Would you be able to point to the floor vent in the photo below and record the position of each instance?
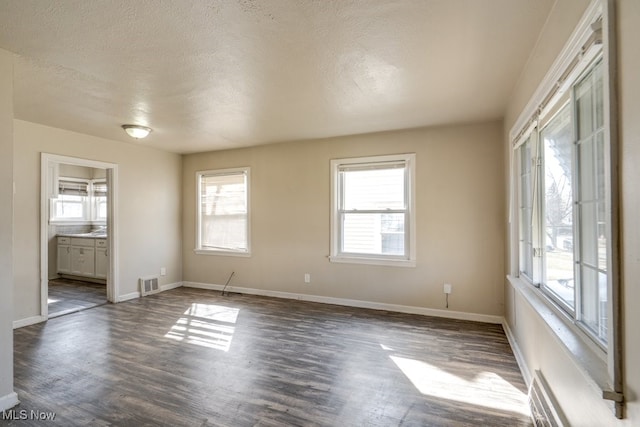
(149, 285)
(544, 409)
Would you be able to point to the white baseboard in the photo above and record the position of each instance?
(8, 401)
(354, 303)
(522, 364)
(134, 295)
(21, 323)
(169, 286)
(127, 297)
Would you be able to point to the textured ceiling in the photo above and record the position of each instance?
(208, 75)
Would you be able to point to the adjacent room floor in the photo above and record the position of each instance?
(190, 357)
(68, 296)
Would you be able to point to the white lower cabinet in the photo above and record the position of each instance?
(83, 256)
(83, 261)
(102, 261)
(64, 255)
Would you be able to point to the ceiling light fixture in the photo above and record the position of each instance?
(136, 131)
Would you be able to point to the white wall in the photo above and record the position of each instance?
(581, 402)
(7, 396)
(149, 207)
(460, 237)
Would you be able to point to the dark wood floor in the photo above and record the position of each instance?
(68, 296)
(189, 357)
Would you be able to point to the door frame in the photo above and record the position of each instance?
(47, 163)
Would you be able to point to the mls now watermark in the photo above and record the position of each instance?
(24, 414)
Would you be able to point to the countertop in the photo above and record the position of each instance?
(91, 235)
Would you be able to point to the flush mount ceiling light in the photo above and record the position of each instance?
(136, 131)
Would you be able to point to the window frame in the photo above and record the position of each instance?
(534, 134)
(336, 254)
(199, 249)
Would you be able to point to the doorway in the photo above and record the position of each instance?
(78, 234)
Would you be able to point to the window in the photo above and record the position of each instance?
(99, 206)
(373, 210)
(80, 200)
(72, 203)
(223, 212)
(562, 205)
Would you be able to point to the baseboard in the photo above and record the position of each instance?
(8, 401)
(522, 364)
(21, 323)
(127, 297)
(134, 295)
(169, 286)
(459, 315)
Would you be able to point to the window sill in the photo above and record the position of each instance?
(373, 261)
(590, 360)
(221, 253)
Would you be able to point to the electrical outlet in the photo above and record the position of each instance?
(307, 278)
(163, 271)
(447, 288)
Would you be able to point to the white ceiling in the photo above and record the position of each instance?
(209, 75)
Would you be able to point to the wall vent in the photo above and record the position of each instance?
(544, 408)
(149, 285)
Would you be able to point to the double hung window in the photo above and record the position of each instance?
(373, 210)
(223, 212)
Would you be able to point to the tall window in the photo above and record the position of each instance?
(372, 210)
(563, 226)
(223, 211)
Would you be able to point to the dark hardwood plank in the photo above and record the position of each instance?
(191, 357)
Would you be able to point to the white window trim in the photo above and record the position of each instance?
(223, 252)
(603, 369)
(335, 254)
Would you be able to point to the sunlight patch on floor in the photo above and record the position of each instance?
(485, 389)
(206, 325)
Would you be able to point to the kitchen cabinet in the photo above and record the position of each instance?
(102, 259)
(83, 256)
(83, 261)
(64, 255)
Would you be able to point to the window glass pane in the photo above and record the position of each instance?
(374, 233)
(599, 107)
(69, 207)
(600, 165)
(373, 189)
(594, 301)
(223, 207)
(592, 205)
(587, 176)
(558, 207)
(584, 107)
(589, 234)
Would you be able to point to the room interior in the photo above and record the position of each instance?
(284, 90)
